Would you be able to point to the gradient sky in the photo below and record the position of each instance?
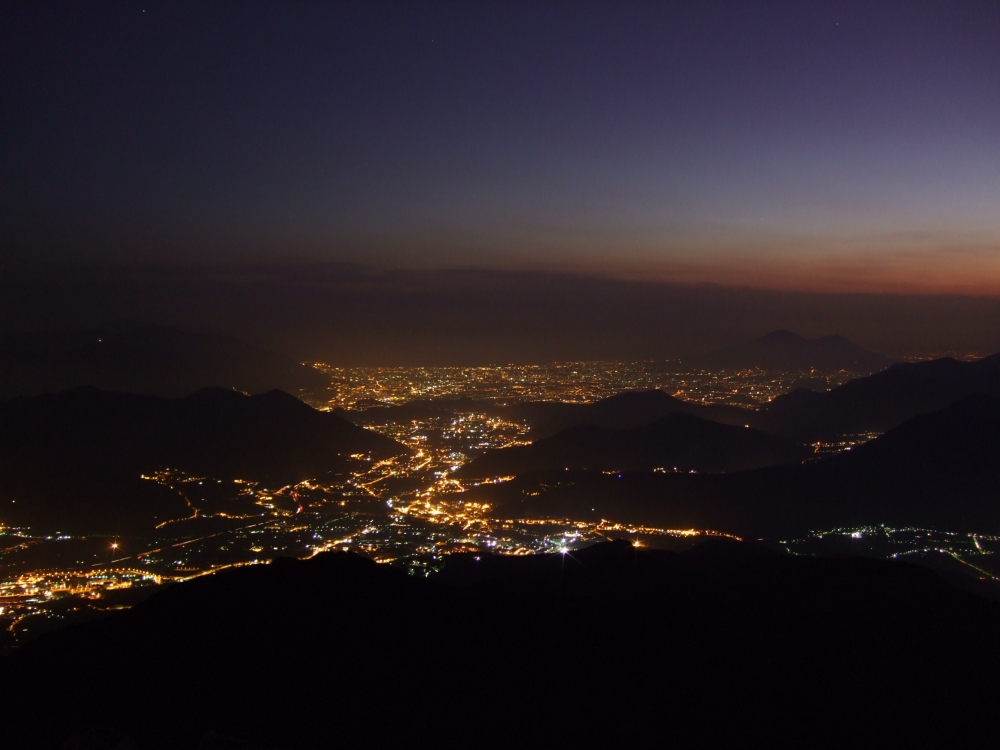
(834, 146)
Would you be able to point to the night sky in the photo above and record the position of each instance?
(808, 146)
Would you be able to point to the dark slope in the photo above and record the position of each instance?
(607, 646)
(940, 470)
(676, 442)
(881, 401)
(624, 410)
(788, 352)
(871, 404)
(72, 460)
(157, 360)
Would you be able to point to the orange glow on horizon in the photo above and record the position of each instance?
(829, 275)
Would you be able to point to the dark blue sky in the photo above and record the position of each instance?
(819, 145)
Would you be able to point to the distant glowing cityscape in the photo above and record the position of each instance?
(572, 382)
(411, 510)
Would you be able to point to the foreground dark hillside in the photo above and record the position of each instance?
(73, 460)
(677, 441)
(609, 645)
(939, 470)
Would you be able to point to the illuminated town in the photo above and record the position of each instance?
(410, 510)
(946, 551)
(572, 382)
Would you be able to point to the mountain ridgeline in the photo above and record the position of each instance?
(621, 411)
(150, 359)
(723, 645)
(881, 401)
(727, 643)
(789, 352)
(72, 460)
(870, 404)
(545, 418)
(939, 470)
(676, 442)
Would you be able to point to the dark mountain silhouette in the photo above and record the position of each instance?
(606, 646)
(791, 402)
(939, 470)
(676, 442)
(623, 410)
(875, 403)
(789, 352)
(149, 359)
(73, 460)
(881, 401)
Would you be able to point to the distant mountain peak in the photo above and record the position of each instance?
(881, 401)
(674, 440)
(785, 350)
